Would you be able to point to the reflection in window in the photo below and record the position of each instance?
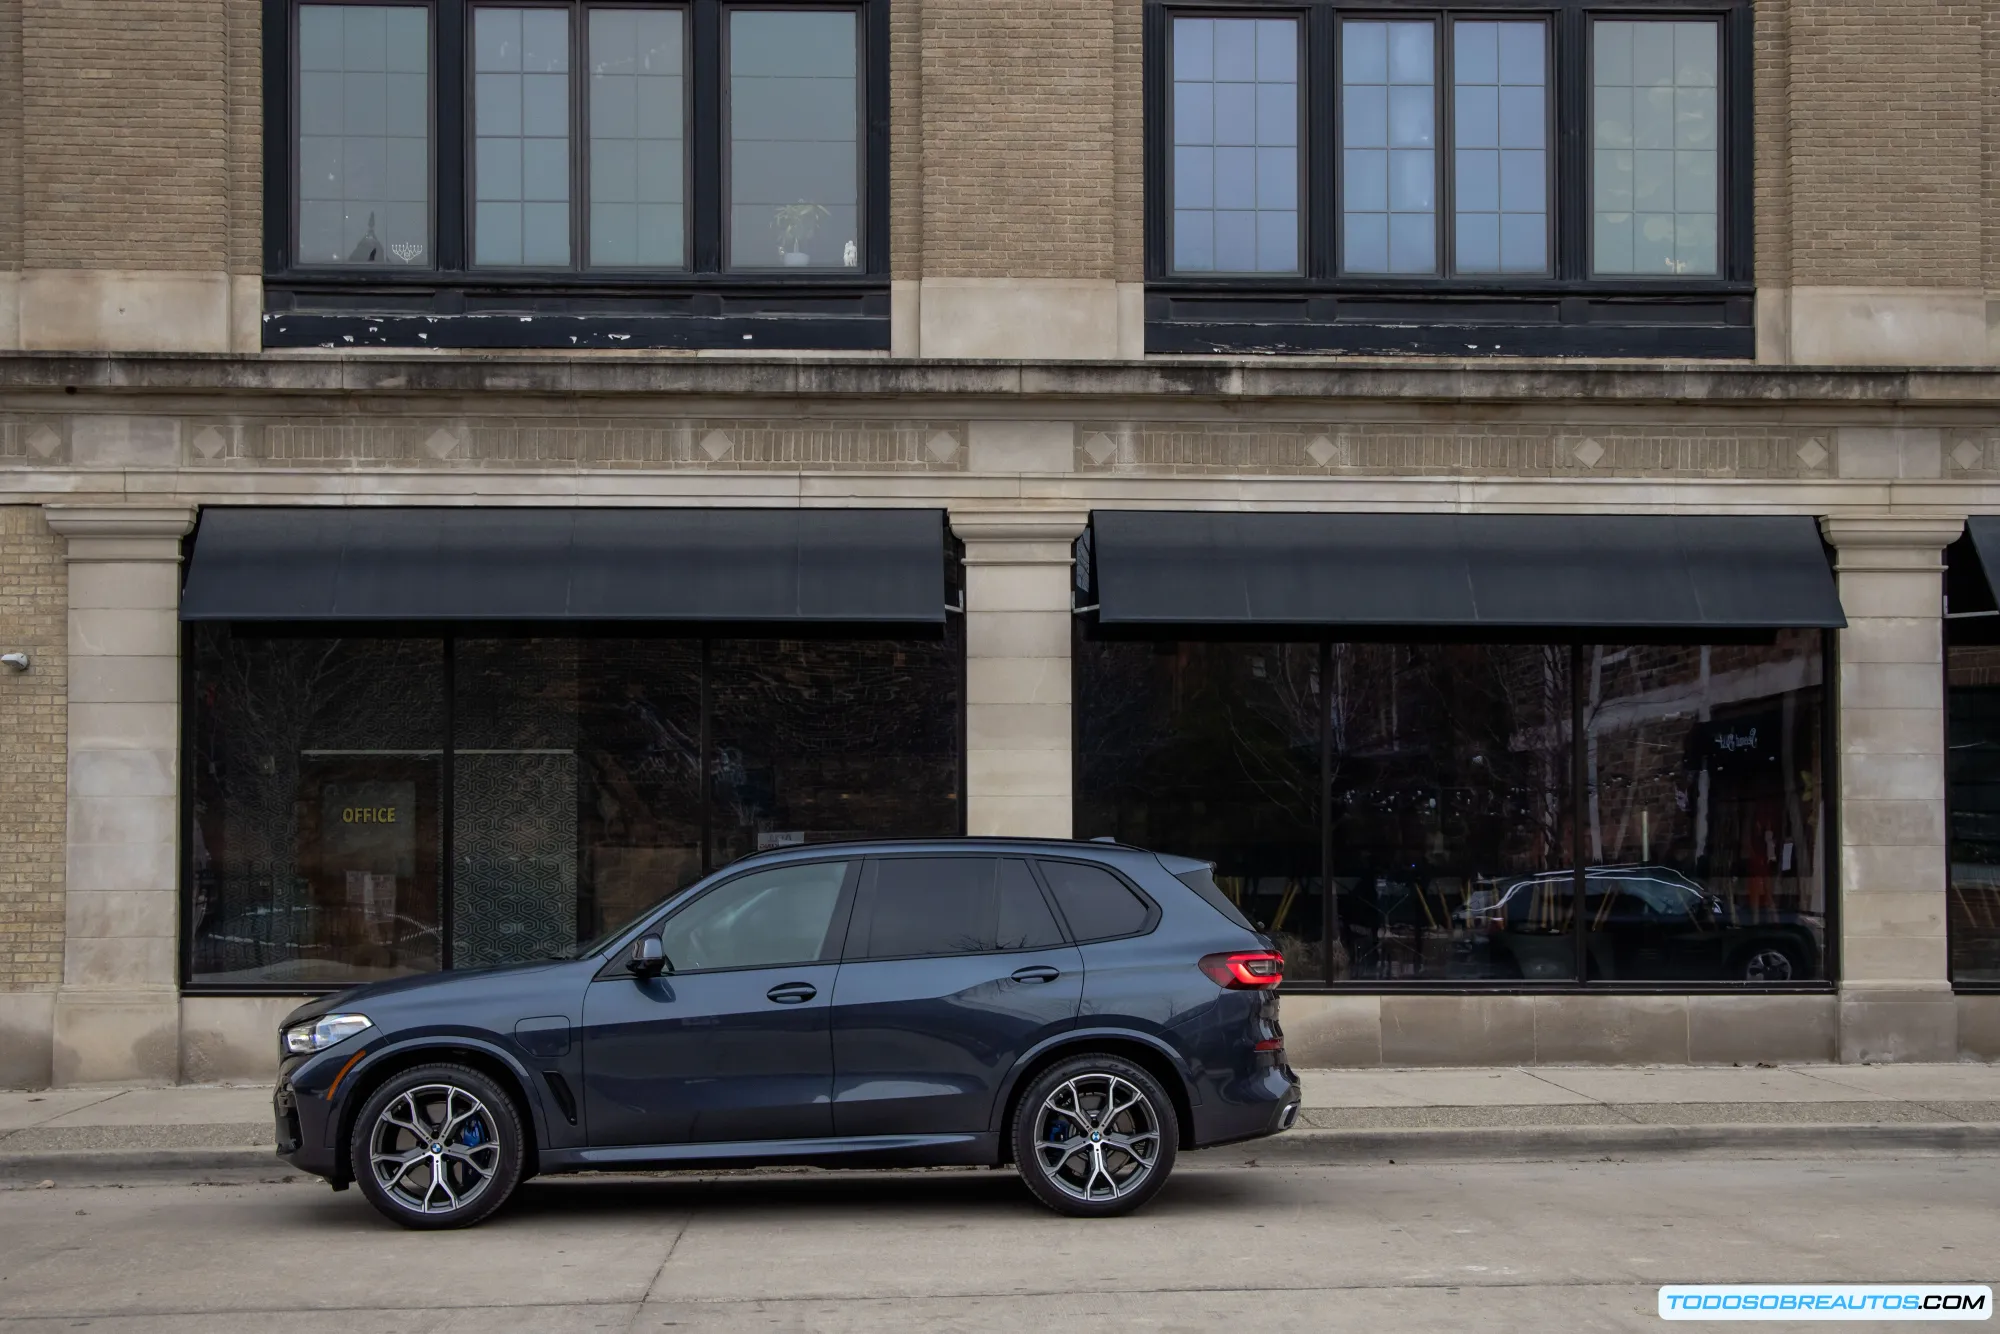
(1388, 114)
(315, 829)
(1706, 821)
(1655, 165)
(1973, 772)
(794, 143)
(762, 920)
(1500, 143)
(637, 139)
(1236, 136)
(364, 134)
(521, 136)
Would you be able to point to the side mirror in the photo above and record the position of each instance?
(649, 958)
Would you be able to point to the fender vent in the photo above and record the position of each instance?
(564, 1098)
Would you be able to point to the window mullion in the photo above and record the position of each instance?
(1322, 143)
(449, 103)
(579, 138)
(1572, 165)
(1444, 71)
(705, 81)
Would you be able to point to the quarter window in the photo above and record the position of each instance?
(1094, 902)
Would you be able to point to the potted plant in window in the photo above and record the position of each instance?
(795, 225)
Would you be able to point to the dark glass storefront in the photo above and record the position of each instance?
(1972, 758)
(371, 805)
(1458, 800)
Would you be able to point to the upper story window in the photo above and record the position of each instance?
(1570, 179)
(620, 174)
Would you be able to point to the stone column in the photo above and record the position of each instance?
(117, 1016)
(1896, 1001)
(1017, 671)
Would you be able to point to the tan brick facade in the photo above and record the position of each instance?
(33, 708)
(10, 136)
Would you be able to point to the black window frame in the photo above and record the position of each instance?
(454, 304)
(1568, 312)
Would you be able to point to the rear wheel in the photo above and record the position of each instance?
(1770, 961)
(438, 1146)
(1095, 1136)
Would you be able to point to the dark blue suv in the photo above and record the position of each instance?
(1083, 1010)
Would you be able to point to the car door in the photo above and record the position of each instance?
(731, 1042)
(954, 966)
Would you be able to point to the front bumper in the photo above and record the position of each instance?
(304, 1122)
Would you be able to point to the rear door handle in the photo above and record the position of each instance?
(791, 993)
(1040, 972)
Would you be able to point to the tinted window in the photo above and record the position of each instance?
(953, 905)
(1202, 881)
(1095, 902)
(764, 920)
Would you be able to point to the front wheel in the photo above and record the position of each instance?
(437, 1147)
(1095, 1136)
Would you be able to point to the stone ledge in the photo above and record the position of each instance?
(1228, 380)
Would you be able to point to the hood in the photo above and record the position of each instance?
(358, 997)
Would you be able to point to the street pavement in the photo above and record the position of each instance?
(1470, 1246)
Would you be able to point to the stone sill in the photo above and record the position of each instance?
(1183, 379)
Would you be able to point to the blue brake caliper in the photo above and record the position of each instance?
(475, 1134)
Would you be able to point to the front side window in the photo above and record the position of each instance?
(763, 920)
(1402, 170)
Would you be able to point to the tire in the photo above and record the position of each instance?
(1061, 1146)
(438, 1146)
(1770, 961)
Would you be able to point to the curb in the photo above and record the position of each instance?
(1294, 1148)
(1306, 1147)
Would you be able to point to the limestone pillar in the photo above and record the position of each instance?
(117, 1014)
(1896, 1001)
(1017, 671)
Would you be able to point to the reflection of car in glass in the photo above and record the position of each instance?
(1642, 923)
(299, 944)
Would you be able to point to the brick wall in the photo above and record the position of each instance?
(1772, 167)
(1991, 129)
(10, 135)
(906, 148)
(125, 114)
(34, 601)
(245, 19)
(1128, 109)
(1885, 130)
(1018, 170)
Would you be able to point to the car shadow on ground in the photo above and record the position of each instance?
(828, 1194)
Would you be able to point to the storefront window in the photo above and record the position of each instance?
(373, 807)
(1973, 772)
(1447, 842)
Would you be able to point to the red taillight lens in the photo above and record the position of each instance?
(1257, 970)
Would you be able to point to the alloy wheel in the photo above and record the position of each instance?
(1768, 965)
(1097, 1137)
(434, 1149)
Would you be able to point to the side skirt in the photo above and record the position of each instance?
(978, 1150)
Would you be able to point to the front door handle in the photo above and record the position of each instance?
(1040, 972)
(792, 993)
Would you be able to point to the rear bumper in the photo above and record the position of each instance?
(1260, 1104)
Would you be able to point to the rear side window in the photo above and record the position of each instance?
(1094, 902)
(931, 906)
(1202, 881)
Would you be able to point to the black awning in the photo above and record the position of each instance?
(1659, 572)
(422, 564)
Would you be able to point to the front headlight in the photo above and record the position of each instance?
(323, 1032)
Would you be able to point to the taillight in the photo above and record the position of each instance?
(1256, 970)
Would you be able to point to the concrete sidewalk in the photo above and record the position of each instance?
(1470, 1114)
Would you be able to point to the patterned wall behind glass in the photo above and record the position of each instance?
(1236, 145)
(1973, 774)
(794, 141)
(514, 800)
(1388, 140)
(1500, 147)
(364, 134)
(1655, 163)
(637, 138)
(521, 136)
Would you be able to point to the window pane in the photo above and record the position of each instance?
(1655, 141)
(316, 821)
(520, 137)
(1094, 902)
(1450, 812)
(1705, 825)
(637, 139)
(1973, 771)
(830, 739)
(1500, 114)
(364, 132)
(1025, 922)
(1236, 146)
(921, 906)
(1209, 750)
(1389, 147)
(764, 920)
(794, 140)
